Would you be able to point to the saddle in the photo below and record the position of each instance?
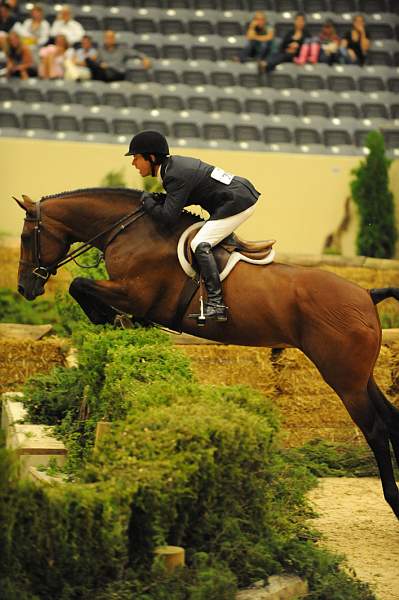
(254, 251)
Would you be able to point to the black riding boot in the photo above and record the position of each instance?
(214, 307)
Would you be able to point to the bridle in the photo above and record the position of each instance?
(44, 272)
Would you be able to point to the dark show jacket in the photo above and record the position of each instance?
(188, 181)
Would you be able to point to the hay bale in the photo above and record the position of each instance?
(309, 408)
(19, 359)
(9, 259)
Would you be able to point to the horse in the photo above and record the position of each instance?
(334, 322)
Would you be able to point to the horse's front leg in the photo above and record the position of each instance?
(100, 300)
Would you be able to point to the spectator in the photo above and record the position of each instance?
(14, 8)
(259, 39)
(355, 43)
(290, 46)
(67, 26)
(19, 58)
(75, 66)
(35, 30)
(110, 62)
(7, 22)
(324, 48)
(52, 58)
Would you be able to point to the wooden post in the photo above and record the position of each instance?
(173, 556)
(102, 428)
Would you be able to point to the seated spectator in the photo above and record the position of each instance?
(75, 66)
(110, 62)
(67, 26)
(355, 43)
(19, 58)
(15, 8)
(290, 46)
(324, 48)
(259, 39)
(7, 22)
(35, 30)
(52, 58)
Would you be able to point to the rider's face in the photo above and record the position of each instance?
(142, 165)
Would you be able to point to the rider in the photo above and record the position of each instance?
(227, 198)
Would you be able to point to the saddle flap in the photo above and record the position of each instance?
(253, 250)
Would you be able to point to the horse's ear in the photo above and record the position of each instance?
(26, 204)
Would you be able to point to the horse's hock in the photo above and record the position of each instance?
(309, 408)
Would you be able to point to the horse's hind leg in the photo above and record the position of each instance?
(364, 414)
(388, 413)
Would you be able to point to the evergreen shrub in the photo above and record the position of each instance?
(370, 191)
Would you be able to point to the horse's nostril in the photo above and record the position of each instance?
(21, 289)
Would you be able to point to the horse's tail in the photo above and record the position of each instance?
(387, 412)
(380, 294)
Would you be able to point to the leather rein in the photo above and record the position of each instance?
(44, 272)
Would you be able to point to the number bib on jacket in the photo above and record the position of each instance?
(221, 176)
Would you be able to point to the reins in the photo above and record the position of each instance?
(44, 272)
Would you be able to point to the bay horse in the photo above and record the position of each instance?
(332, 321)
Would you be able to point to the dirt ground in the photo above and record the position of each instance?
(356, 521)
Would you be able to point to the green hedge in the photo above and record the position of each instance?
(207, 476)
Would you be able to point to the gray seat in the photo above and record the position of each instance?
(201, 103)
(137, 74)
(30, 94)
(391, 137)
(172, 25)
(86, 98)
(229, 27)
(346, 109)
(379, 57)
(307, 136)
(315, 6)
(7, 92)
(393, 84)
(341, 83)
(115, 99)
(216, 131)
(175, 51)
(143, 100)
(314, 108)
(92, 124)
(9, 120)
(380, 31)
(65, 122)
(373, 6)
(247, 133)
(257, 106)
(228, 104)
(143, 25)
(280, 81)
(371, 84)
(375, 110)
(203, 52)
(31, 120)
(337, 137)
(121, 126)
(199, 26)
(343, 6)
(308, 82)
(277, 134)
(58, 96)
(193, 77)
(171, 102)
(286, 107)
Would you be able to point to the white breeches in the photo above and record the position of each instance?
(214, 232)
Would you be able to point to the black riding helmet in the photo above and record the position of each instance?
(148, 142)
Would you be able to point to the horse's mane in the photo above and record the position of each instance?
(99, 190)
(189, 216)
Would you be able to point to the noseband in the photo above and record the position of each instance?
(44, 272)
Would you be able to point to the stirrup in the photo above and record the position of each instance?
(123, 322)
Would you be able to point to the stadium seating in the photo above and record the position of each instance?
(197, 92)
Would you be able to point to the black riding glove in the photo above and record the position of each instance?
(150, 200)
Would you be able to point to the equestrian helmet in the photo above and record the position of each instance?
(148, 142)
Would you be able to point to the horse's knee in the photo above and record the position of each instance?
(79, 285)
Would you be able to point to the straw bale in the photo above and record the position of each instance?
(9, 258)
(309, 408)
(19, 359)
